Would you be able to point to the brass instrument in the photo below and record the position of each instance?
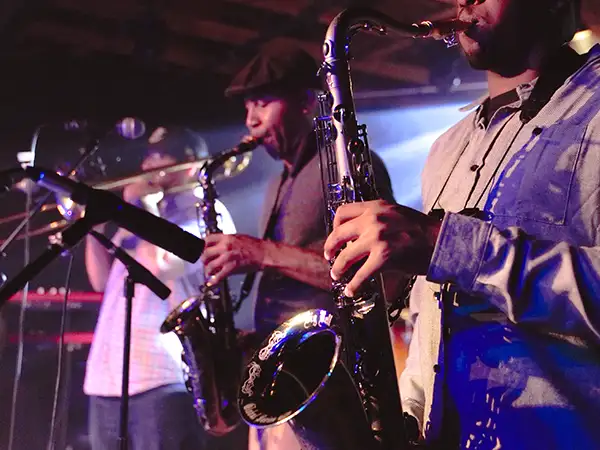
(332, 378)
(205, 327)
(69, 211)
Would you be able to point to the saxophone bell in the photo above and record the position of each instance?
(297, 377)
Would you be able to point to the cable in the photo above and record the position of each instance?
(21, 330)
(90, 149)
(61, 343)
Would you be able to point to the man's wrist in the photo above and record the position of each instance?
(269, 251)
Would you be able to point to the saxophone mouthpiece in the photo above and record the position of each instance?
(249, 143)
(441, 30)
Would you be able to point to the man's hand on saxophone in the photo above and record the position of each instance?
(226, 254)
(389, 236)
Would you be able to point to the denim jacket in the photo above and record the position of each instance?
(521, 362)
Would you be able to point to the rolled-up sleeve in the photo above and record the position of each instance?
(553, 284)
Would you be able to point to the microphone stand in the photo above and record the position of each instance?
(68, 239)
(136, 273)
(101, 206)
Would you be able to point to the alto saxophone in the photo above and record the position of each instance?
(205, 326)
(333, 378)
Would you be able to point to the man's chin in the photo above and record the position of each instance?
(272, 152)
(475, 57)
(476, 62)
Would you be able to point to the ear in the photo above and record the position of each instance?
(309, 102)
(570, 14)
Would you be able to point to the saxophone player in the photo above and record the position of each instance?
(506, 307)
(278, 88)
(161, 415)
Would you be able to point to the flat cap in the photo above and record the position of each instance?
(278, 67)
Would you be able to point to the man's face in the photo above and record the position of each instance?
(503, 34)
(156, 160)
(278, 121)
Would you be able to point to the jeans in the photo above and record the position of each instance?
(159, 419)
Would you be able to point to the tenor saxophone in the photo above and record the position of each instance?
(332, 377)
(205, 326)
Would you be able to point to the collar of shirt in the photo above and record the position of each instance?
(523, 91)
(564, 59)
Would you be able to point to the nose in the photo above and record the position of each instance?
(467, 3)
(252, 118)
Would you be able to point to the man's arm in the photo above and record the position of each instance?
(552, 284)
(300, 264)
(97, 262)
(229, 254)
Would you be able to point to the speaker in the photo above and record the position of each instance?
(33, 413)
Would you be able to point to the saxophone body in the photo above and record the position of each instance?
(332, 376)
(205, 326)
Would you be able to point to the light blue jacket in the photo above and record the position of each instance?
(523, 363)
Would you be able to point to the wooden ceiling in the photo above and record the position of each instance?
(215, 37)
(156, 50)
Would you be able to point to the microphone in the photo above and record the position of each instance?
(104, 205)
(128, 127)
(10, 177)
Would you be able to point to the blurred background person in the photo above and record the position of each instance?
(161, 414)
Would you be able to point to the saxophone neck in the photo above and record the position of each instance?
(352, 20)
(206, 180)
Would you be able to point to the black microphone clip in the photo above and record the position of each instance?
(136, 270)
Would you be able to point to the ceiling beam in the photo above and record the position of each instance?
(402, 72)
(13, 13)
(85, 40)
(208, 29)
(199, 42)
(291, 8)
(122, 10)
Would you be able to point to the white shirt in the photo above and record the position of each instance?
(155, 357)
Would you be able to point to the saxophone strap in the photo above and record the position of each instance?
(250, 278)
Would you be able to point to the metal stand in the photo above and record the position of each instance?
(129, 292)
(136, 273)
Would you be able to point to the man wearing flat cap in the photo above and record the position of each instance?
(279, 89)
